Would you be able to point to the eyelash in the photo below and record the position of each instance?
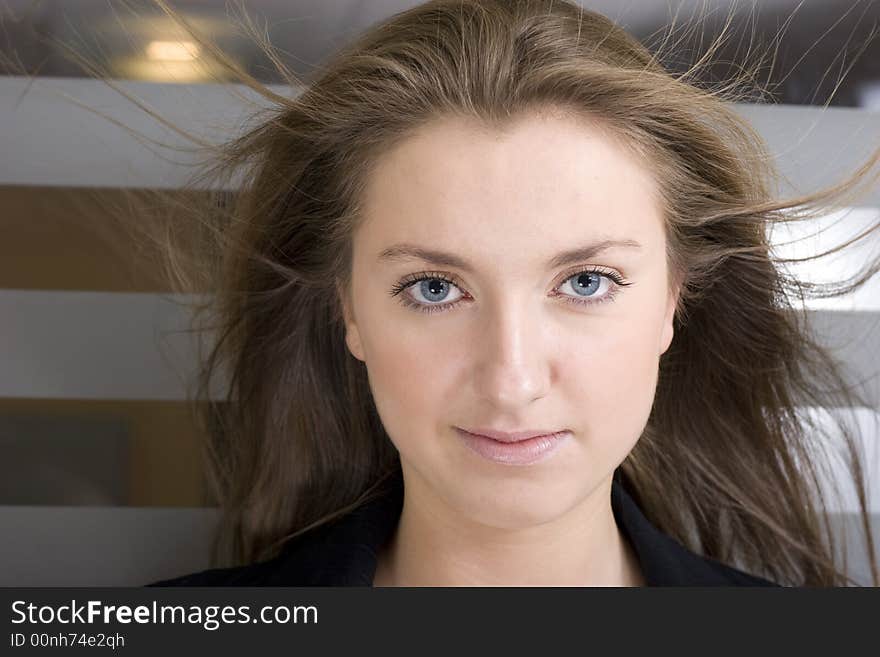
(411, 279)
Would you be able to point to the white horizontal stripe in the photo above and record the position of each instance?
(110, 345)
(866, 421)
(58, 142)
(807, 239)
(94, 345)
(853, 338)
(815, 147)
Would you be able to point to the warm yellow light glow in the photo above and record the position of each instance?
(172, 51)
(141, 68)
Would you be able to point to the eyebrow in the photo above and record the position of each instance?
(405, 251)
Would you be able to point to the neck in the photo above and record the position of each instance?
(584, 547)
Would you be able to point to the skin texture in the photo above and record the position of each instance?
(513, 353)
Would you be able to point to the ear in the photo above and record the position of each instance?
(668, 318)
(352, 336)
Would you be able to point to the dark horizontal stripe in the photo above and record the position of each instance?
(68, 452)
(65, 238)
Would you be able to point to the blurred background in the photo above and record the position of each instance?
(100, 475)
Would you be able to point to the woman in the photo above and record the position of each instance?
(497, 307)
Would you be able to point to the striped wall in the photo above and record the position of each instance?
(101, 479)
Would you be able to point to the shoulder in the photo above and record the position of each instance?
(667, 562)
(733, 576)
(672, 564)
(265, 573)
(341, 552)
(251, 575)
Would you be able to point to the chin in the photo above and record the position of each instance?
(517, 508)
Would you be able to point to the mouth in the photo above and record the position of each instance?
(524, 451)
(512, 436)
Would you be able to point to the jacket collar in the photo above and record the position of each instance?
(345, 552)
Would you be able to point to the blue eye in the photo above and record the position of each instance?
(586, 283)
(433, 288)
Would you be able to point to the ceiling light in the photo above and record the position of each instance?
(172, 51)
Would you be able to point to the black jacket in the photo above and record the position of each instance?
(344, 553)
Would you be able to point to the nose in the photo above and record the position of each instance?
(513, 363)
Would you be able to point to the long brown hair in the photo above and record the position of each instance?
(726, 464)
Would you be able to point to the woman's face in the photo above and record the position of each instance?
(515, 341)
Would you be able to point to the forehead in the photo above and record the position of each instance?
(543, 179)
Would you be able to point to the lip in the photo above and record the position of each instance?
(525, 451)
(510, 436)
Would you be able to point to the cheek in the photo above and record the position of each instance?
(614, 381)
(411, 377)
